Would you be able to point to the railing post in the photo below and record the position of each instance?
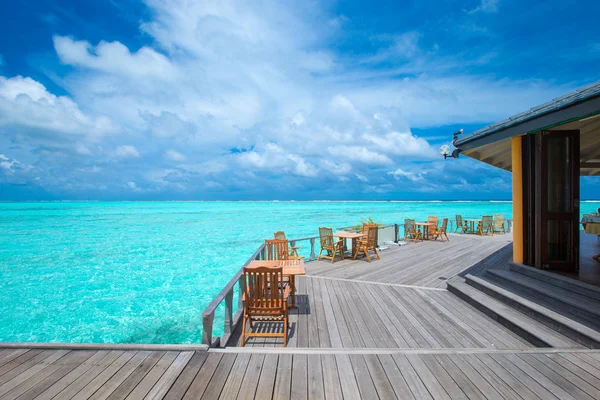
(242, 289)
(207, 327)
(396, 231)
(228, 313)
(312, 248)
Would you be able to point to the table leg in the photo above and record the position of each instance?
(293, 290)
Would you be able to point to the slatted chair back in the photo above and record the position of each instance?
(326, 237)
(410, 229)
(276, 249)
(444, 225)
(487, 223)
(264, 290)
(459, 220)
(498, 221)
(279, 235)
(371, 235)
(433, 220)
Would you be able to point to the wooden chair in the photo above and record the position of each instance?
(293, 250)
(277, 249)
(486, 225)
(410, 230)
(368, 243)
(441, 232)
(460, 225)
(498, 224)
(265, 300)
(329, 245)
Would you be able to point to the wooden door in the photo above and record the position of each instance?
(557, 200)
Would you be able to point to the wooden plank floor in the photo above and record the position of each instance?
(341, 313)
(253, 373)
(428, 263)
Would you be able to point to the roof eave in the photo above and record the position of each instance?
(572, 112)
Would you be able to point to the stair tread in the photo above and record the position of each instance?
(576, 300)
(571, 284)
(516, 317)
(539, 308)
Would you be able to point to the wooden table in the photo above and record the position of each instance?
(349, 235)
(425, 228)
(291, 268)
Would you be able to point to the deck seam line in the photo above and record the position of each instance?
(377, 283)
(103, 346)
(300, 350)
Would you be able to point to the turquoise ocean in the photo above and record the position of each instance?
(142, 272)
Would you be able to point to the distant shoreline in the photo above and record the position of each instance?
(268, 201)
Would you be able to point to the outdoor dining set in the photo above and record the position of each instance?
(431, 230)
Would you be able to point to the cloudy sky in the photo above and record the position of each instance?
(183, 99)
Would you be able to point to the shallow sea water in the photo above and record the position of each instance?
(142, 272)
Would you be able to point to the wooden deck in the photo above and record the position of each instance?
(428, 263)
(256, 373)
(348, 314)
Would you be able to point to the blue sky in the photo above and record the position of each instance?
(174, 99)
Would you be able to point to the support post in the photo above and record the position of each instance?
(207, 328)
(312, 248)
(228, 313)
(517, 197)
(396, 231)
(242, 289)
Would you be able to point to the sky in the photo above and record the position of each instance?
(261, 100)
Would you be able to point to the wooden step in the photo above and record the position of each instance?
(583, 307)
(582, 288)
(531, 330)
(574, 330)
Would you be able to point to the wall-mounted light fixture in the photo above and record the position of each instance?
(447, 152)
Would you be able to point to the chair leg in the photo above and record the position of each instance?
(355, 252)
(285, 329)
(243, 330)
(366, 250)
(376, 252)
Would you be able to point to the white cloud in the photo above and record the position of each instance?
(412, 176)
(362, 178)
(82, 149)
(126, 151)
(403, 144)
(486, 6)
(7, 164)
(114, 57)
(273, 158)
(132, 186)
(359, 154)
(341, 168)
(25, 102)
(174, 155)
